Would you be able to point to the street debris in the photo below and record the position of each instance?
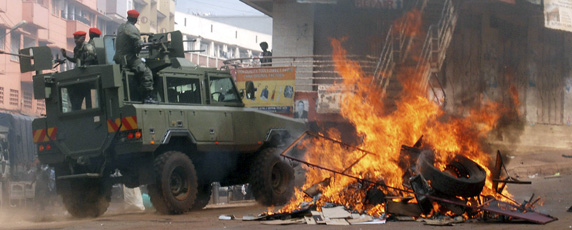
(556, 175)
(226, 217)
(429, 194)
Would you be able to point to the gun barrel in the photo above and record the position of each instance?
(19, 55)
(187, 51)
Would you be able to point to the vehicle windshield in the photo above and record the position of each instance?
(79, 96)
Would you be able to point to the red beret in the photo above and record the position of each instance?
(133, 14)
(94, 31)
(79, 33)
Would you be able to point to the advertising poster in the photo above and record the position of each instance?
(305, 106)
(267, 88)
(558, 14)
(329, 99)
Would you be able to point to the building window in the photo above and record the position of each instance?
(41, 106)
(212, 28)
(204, 47)
(185, 22)
(256, 39)
(14, 97)
(27, 100)
(14, 45)
(43, 3)
(29, 42)
(2, 95)
(243, 53)
(2, 38)
(235, 34)
(190, 43)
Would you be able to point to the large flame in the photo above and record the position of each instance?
(383, 132)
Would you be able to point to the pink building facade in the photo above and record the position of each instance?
(48, 22)
(51, 23)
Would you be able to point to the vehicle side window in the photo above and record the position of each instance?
(222, 90)
(79, 96)
(109, 49)
(183, 90)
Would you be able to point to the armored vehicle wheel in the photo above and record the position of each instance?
(85, 198)
(176, 187)
(272, 180)
(203, 196)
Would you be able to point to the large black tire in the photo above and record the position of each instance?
(86, 198)
(271, 180)
(203, 196)
(175, 189)
(464, 177)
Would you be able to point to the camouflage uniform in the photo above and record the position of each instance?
(127, 47)
(85, 53)
(87, 56)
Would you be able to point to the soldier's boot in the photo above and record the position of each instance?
(149, 98)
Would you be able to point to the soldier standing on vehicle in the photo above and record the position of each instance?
(93, 33)
(83, 54)
(127, 47)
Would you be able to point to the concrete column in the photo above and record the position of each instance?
(531, 97)
(211, 50)
(198, 43)
(293, 26)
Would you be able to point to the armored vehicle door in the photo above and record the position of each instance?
(214, 122)
(81, 117)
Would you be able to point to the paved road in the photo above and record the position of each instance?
(555, 192)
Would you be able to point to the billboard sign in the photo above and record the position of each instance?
(379, 4)
(558, 14)
(267, 88)
(329, 99)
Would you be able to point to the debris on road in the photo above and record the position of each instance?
(226, 217)
(440, 195)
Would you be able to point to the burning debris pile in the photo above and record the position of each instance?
(444, 177)
(429, 194)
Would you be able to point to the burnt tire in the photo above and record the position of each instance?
(271, 180)
(85, 198)
(464, 177)
(175, 189)
(203, 196)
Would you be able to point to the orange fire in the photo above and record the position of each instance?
(384, 131)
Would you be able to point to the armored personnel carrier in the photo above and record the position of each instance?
(199, 132)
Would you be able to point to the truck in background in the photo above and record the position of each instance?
(17, 156)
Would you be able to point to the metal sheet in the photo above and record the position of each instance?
(504, 208)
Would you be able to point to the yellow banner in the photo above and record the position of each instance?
(267, 88)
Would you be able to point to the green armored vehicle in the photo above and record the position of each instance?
(198, 133)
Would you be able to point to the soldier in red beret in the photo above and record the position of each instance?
(127, 47)
(93, 33)
(83, 55)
